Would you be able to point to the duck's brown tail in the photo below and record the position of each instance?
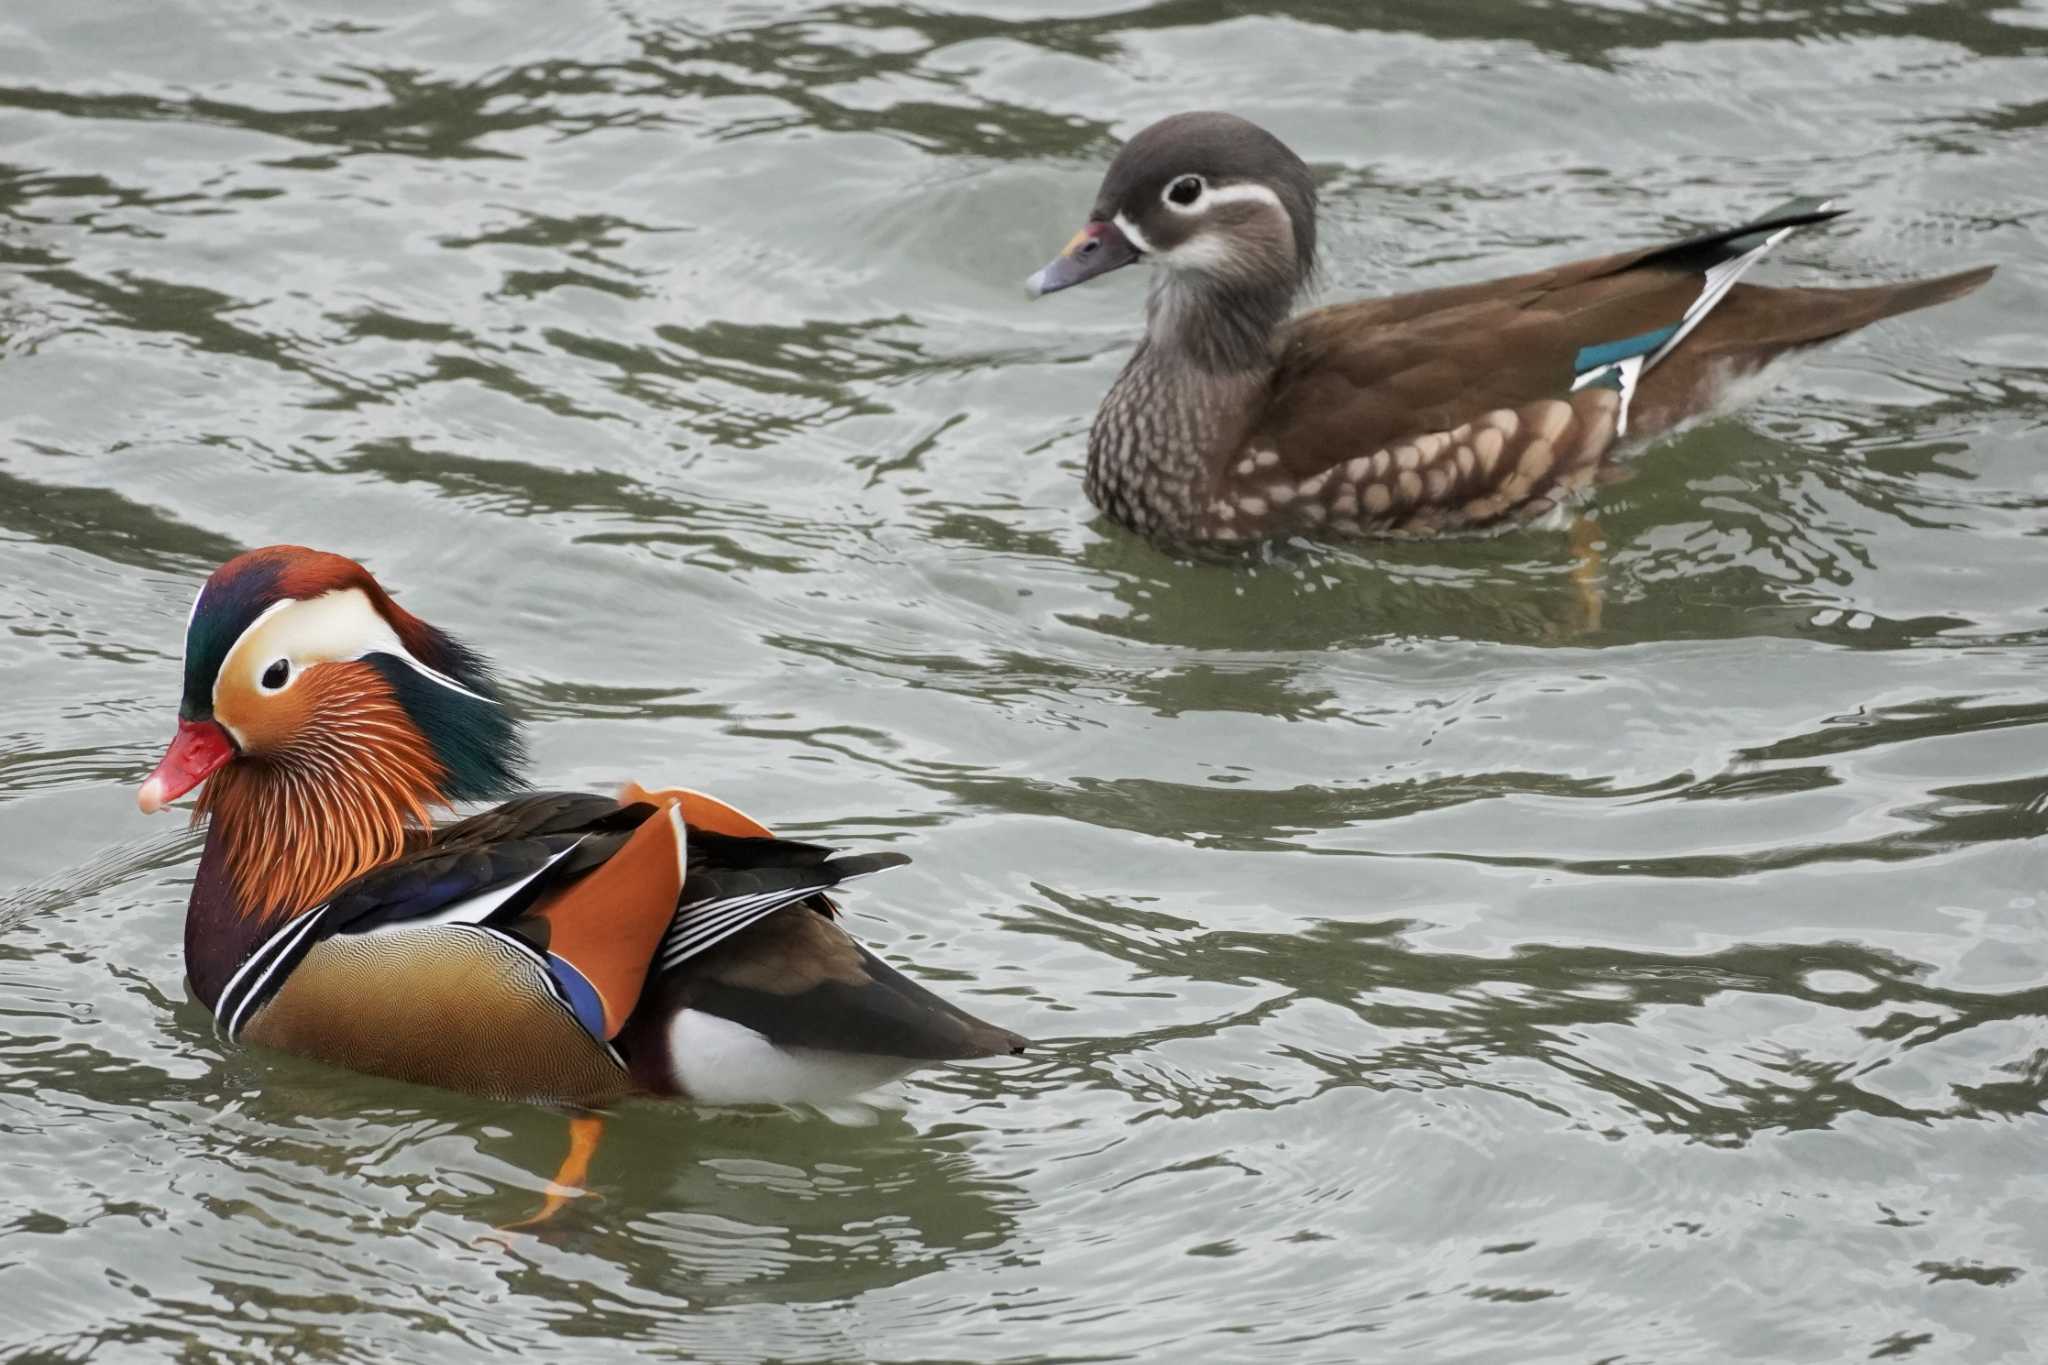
(1801, 317)
(1755, 325)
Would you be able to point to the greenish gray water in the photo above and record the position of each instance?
(1427, 972)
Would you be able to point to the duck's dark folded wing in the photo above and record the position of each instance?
(542, 813)
(1360, 377)
(1456, 408)
(799, 980)
(490, 867)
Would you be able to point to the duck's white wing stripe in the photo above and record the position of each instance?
(1619, 364)
(699, 926)
(1720, 279)
(475, 909)
(1621, 375)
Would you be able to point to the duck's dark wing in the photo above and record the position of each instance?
(1389, 402)
(795, 977)
(800, 981)
(535, 844)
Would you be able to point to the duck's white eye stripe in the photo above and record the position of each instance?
(1245, 193)
(334, 626)
(1131, 233)
(433, 675)
(218, 678)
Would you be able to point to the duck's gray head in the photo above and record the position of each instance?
(1218, 202)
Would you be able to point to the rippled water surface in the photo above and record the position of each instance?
(1435, 960)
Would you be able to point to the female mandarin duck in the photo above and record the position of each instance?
(562, 948)
(1462, 409)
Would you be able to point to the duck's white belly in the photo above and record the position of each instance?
(716, 1061)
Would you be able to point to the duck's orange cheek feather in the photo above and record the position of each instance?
(263, 723)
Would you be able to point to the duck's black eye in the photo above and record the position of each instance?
(275, 675)
(1185, 190)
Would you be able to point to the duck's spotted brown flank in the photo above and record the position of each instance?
(1509, 465)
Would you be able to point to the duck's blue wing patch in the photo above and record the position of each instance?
(1722, 259)
(1609, 352)
(581, 995)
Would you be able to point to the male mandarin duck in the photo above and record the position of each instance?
(561, 948)
(1469, 408)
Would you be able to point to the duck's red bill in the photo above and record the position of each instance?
(199, 749)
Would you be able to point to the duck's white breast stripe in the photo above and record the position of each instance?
(249, 983)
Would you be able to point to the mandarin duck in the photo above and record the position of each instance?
(1470, 408)
(562, 948)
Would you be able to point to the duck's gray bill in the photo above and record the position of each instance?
(1096, 250)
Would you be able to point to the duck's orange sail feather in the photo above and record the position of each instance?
(705, 812)
(609, 923)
